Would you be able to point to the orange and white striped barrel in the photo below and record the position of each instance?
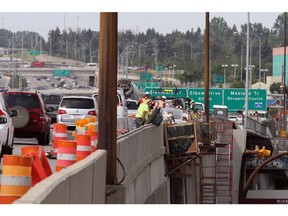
(94, 139)
(59, 133)
(66, 154)
(16, 177)
(83, 146)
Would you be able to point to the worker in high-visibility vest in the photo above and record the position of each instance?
(145, 98)
(143, 113)
(161, 103)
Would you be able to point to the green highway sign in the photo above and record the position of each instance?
(61, 72)
(168, 92)
(34, 52)
(234, 99)
(159, 68)
(143, 85)
(218, 79)
(146, 76)
(215, 96)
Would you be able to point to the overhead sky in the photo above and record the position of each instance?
(164, 17)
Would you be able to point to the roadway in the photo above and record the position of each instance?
(22, 142)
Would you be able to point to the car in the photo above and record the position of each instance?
(122, 110)
(52, 101)
(74, 108)
(32, 120)
(6, 129)
(132, 107)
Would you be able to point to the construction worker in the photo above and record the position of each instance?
(143, 113)
(161, 103)
(145, 98)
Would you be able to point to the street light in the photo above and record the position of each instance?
(90, 48)
(156, 50)
(250, 67)
(224, 66)
(234, 65)
(173, 70)
(264, 70)
(259, 52)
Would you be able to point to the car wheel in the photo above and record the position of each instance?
(42, 139)
(22, 119)
(47, 138)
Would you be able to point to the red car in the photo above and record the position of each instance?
(37, 64)
(32, 120)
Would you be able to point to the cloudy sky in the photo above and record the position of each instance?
(136, 15)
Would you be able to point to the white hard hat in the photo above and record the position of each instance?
(146, 93)
(163, 97)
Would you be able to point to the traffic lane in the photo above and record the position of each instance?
(23, 142)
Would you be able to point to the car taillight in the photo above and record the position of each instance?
(2, 113)
(203, 113)
(60, 111)
(93, 112)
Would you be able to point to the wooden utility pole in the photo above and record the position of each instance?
(107, 114)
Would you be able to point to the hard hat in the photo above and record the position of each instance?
(146, 93)
(163, 97)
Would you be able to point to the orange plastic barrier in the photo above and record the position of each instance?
(83, 146)
(40, 165)
(59, 133)
(16, 177)
(94, 139)
(66, 154)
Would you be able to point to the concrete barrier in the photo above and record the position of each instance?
(82, 183)
(142, 176)
(140, 173)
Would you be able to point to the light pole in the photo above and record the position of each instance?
(251, 54)
(90, 48)
(174, 66)
(259, 56)
(264, 77)
(250, 74)
(241, 61)
(156, 50)
(234, 65)
(224, 66)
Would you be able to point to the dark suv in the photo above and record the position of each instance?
(52, 101)
(32, 120)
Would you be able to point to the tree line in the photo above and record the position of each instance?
(150, 49)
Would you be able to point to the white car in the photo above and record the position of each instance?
(132, 107)
(74, 108)
(122, 110)
(6, 129)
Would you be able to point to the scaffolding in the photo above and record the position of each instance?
(216, 168)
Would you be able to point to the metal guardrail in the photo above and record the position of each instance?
(257, 127)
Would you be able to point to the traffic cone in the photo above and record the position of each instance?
(94, 139)
(59, 133)
(66, 154)
(83, 146)
(40, 165)
(16, 177)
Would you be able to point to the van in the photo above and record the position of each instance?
(122, 110)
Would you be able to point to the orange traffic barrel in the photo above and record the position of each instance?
(94, 139)
(16, 177)
(40, 165)
(83, 146)
(59, 133)
(66, 154)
